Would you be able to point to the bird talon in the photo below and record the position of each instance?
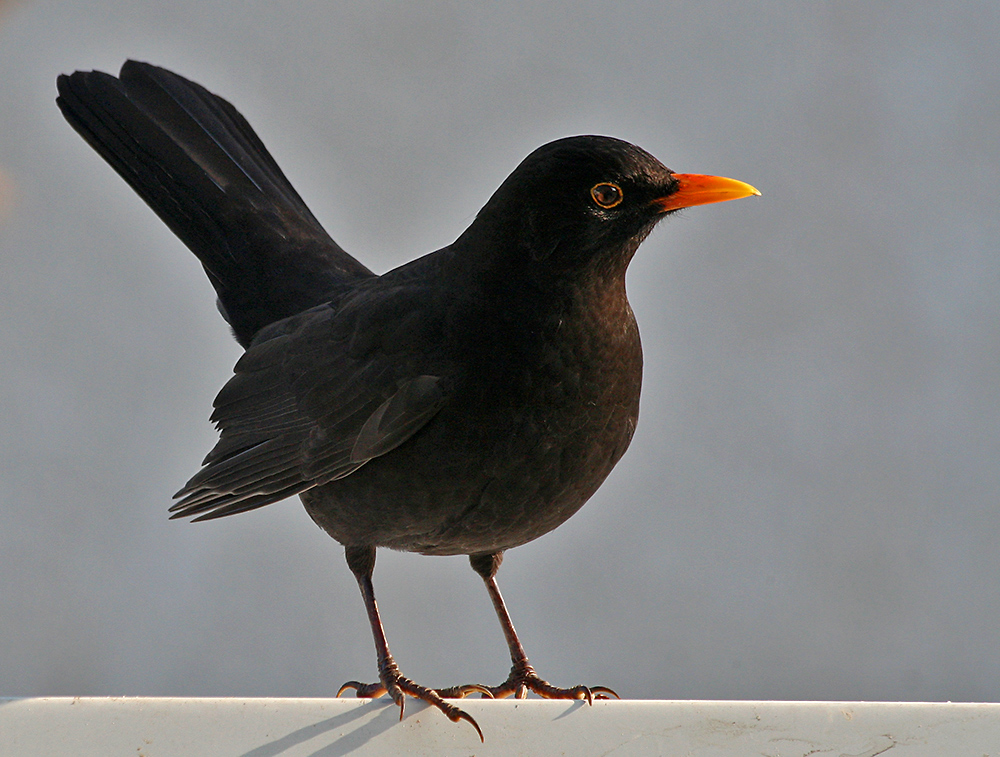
(463, 715)
(398, 687)
(363, 690)
(603, 692)
(461, 692)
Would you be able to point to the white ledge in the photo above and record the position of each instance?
(162, 727)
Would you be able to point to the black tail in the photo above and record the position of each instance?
(197, 163)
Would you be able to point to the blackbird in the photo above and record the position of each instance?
(464, 403)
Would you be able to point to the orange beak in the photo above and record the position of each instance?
(696, 189)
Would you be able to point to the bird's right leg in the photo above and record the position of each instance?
(361, 561)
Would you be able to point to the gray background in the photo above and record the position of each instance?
(808, 509)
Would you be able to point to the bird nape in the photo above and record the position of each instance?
(464, 403)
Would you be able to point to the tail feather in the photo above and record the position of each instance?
(201, 167)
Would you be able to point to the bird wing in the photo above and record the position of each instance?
(313, 399)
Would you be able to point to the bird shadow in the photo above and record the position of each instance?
(349, 742)
(572, 707)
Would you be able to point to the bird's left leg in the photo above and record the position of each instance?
(523, 677)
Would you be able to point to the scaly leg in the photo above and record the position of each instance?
(523, 677)
(362, 562)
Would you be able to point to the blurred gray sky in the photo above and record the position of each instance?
(809, 507)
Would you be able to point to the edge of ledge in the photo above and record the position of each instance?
(268, 727)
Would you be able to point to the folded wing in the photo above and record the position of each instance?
(303, 409)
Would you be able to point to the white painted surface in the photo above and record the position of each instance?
(161, 727)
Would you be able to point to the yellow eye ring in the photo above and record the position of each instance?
(606, 194)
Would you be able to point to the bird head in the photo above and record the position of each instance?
(588, 200)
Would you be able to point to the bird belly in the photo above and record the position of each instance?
(510, 457)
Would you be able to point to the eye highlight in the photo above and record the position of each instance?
(606, 194)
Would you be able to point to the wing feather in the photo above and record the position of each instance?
(303, 409)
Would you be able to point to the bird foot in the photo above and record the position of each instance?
(397, 686)
(523, 679)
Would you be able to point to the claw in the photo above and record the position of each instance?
(364, 690)
(398, 687)
(603, 692)
(461, 692)
(463, 715)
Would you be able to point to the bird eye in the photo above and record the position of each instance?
(606, 194)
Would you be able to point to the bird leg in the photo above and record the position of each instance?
(361, 560)
(523, 677)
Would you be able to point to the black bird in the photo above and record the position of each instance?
(464, 403)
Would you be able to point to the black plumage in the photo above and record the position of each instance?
(464, 403)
